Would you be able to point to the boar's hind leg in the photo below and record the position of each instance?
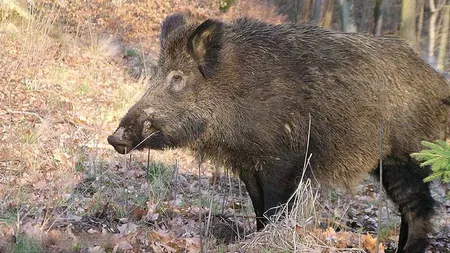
(253, 185)
(403, 182)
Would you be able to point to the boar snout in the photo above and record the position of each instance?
(120, 145)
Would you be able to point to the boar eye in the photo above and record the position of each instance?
(177, 82)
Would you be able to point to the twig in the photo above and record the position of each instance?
(200, 194)
(380, 204)
(234, 213)
(210, 204)
(24, 113)
(175, 179)
(135, 147)
(241, 198)
(225, 198)
(359, 241)
(143, 59)
(148, 165)
(307, 145)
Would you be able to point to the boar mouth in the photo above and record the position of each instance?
(155, 140)
(121, 146)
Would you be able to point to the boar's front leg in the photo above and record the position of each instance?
(278, 185)
(254, 188)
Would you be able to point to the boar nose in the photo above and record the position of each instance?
(121, 146)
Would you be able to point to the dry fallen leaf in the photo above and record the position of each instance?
(80, 119)
(370, 243)
(96, 249)
(160, 236)
(192, 244)
(92, 231)
(298, 229)
(54, 234)
(62, 157)
(40, 185)
(161, 247)
(122, 246)
(127, 228)
(137, 213)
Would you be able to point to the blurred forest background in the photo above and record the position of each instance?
(69, 70)
(423, 23)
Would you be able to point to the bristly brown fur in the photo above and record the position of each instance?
(248, 89)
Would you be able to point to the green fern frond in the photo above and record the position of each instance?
(434, 176)
(437, 157)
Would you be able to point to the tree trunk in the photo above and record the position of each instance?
(306, 11)
(408, 22)
(378, 16)
(328, 16)
(420, 26)
(298, 10)
(432, 30)
(346, 10)
(443, 44)
(317, 11)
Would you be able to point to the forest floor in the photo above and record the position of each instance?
(64, 189)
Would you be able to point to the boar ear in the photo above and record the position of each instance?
(171, 23)
(204, 45)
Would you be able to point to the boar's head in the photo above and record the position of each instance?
(176, 108)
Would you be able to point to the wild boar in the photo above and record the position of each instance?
(241, 94)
